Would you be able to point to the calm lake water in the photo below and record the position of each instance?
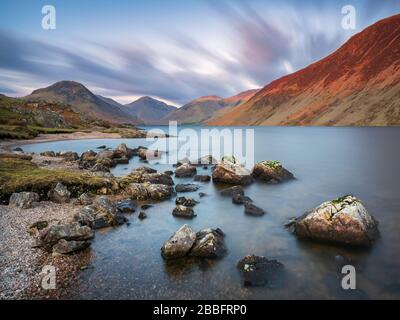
(327, 162)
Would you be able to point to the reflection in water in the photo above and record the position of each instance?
(327, 162)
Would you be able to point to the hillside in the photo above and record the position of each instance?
(359, 84)
(149, 110)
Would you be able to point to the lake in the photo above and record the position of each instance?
(327, 163)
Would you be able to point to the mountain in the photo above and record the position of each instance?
(83, 101)
(149, 110)
(358, 84)
(110, 101)
(203, 108)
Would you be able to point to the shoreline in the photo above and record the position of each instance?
(7, 145)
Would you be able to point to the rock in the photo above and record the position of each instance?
(169, 172)
(344, 220)
(18, 149)
(179, 244)
(88, 155)
(230, 192)
(65, 247)
(232, 173)
(258, 271)
(24, 200)
(146, 191)
(271, 172)
(187, 202)
(206, 160)
(100, 223)
(229, 159)
(158, 178)
(240, 199)
(48, 154)
(146, 169)
(39, 225)
(187, 187)
(126, 206)
(146, 206)
(185, 171)
(86, 216)
(59, 194)
(69, 155)
(122, 160)
(202, 178)
(107, 213)
(142, 153)
(142, 215)
(202, 194)
(106, 154)
(86, 199)
(122, 151)
(102, 147)
(253, 210)
(183, 212)
(70, 231)
(209, 244)
(181, 162)
(102, 165)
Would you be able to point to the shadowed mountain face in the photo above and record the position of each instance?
(359, 84)
(83, 101)
(149, 110)
(202, 109)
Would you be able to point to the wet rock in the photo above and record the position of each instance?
(146, 206)
(18, 149)
(240, 199)
(182, 162)
(24, 200)
(202, 194)
(86, 198)
(231, 173)
(183, 212)
(122, 160)
(253, 210)
(179, 244)
(88, 155)
(69, 155)
(142, 153)
(185, 171)
(102, 147)
(230, 192)
(65, 247)
(187, 187)
(271, 172)
(106, 154)
(122, 151)
(59, 194)
(101, 222)
(169, 172)
(146, 169)
(146, 191)
(209, 244)
(158, 178)
(258, 271)
(202, 178)
(48, 154)
(126, 206)
(142, 215)
(187, 202)
(70, 231)
(86, 216)
(344, 220)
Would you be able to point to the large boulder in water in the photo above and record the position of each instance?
(183, 212)
(147, 191)
(231, 172)
(185, 171)
(122, 151)
(179, 244)
(24, 200)
(344, 221)
(271, 172)
(209, 244)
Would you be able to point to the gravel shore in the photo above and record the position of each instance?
(21, 265)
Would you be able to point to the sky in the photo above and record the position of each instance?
(173, 50)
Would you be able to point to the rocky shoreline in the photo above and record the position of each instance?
(53, 222)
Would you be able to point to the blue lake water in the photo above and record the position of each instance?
(327, 163)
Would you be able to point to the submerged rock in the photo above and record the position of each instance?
(240, 199)
(344, 220)
(59, 194)
(183, 212)
(142, 215)
(258, 271)
(179, 244)
(209, 244)
(253, 210)
(202, 178)
(231, 173)
(230, 192)
(187, 202)
(271, 172)
(185, 171)
(126, 206)
(187, 187)
(24, 200)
